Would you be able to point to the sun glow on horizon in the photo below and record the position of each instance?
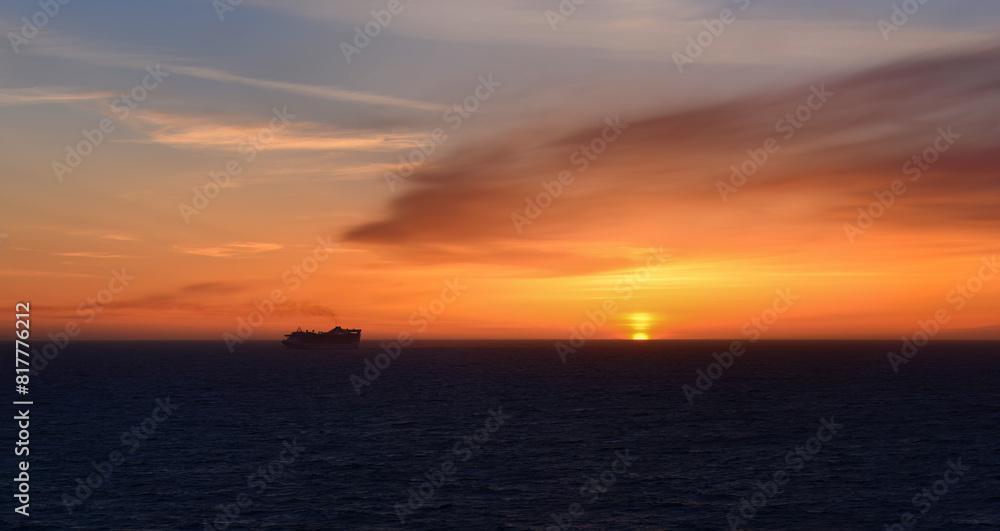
(640, 324)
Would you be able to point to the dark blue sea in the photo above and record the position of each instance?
(808, 435)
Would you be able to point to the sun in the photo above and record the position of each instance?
(640, 323)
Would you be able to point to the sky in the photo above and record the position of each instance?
(521, 169)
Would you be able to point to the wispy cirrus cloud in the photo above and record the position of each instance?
(316, 91)
(110, 58)
(231, 250)
(27, 273)
(227, 132)
(95, 233)
(40, 95)
(92, 254)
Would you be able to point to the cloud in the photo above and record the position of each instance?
(801, 35)
(25, 273)
(214, 288)
(660, 179)
(201, 298)
(36, 96)
(110, 58)
(94, 233)
(83, 51)
(119, 237)
(231, 250)
(92, 254)
(316, 91)
(226, 132)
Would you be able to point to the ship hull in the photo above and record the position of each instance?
(338, 338)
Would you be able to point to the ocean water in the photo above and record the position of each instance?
(504, 435)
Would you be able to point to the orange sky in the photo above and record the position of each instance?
(319, 175)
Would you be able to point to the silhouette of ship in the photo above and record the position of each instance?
(336, 338)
